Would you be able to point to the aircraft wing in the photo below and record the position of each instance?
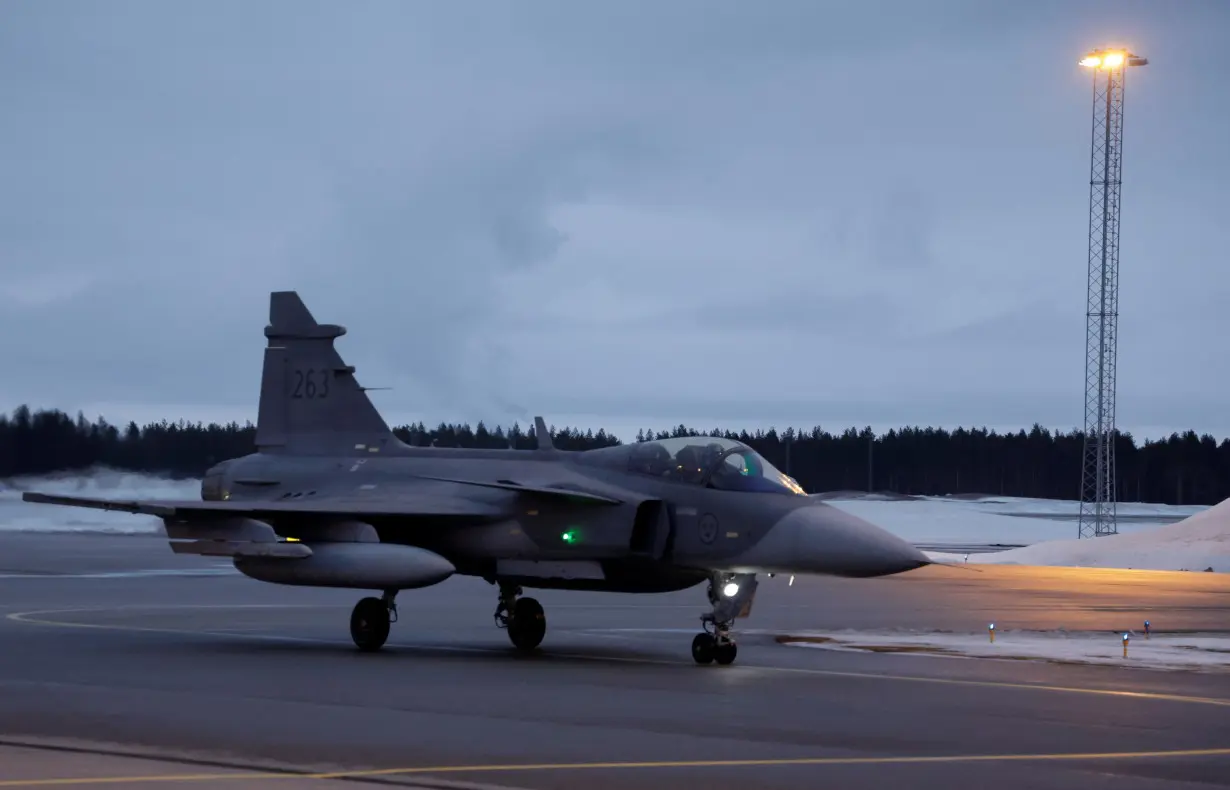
(195, 509)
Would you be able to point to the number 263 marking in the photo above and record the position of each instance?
(311, 384)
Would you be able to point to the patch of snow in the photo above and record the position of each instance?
(1011, 504)
(1207, 652)
(936, 521)
(941, 522)
(1197, 543)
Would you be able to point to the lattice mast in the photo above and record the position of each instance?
(1097, 512)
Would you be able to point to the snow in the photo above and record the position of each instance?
(970, 529)
(945, 527)
(1197, 543)
(1206, 652)
(996, 520)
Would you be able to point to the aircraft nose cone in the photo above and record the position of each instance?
(829, 540)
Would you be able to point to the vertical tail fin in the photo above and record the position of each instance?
(542, 435)
(310, 401)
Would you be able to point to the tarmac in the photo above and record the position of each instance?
(123, 665)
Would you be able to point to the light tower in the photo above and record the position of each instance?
(1109, 67)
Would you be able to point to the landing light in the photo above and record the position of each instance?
(730, 590)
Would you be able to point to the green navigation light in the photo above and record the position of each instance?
(569, 536)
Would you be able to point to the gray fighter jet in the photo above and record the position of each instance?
(331, 498)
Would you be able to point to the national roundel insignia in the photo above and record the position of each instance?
(708, 528)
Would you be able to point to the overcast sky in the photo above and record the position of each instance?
(616, 214)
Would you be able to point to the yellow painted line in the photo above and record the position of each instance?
(119, 780)
(777, 763)
(32, 618)
(608, 766)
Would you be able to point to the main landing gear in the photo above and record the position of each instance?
(370, 621)
(523, 617)
(729, 594)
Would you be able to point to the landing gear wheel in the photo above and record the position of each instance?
(729, 594)
(369, 624)
(703, 648)
(527, 624)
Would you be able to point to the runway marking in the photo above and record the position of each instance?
(654, 631)
(31, 618)
(608, 766)
(224, 570)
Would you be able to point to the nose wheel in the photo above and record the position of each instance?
(523, 617)
(370, 621)
(730, 595)
(706, 648)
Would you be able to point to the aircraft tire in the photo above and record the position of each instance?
(703, 647)
(725, 654)
(528, 624)
(369, 624)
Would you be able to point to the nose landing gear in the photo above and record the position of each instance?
(731, 596)
(719, 647)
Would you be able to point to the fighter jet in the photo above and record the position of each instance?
(332, 498)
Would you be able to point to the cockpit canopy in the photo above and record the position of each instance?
(700, 460)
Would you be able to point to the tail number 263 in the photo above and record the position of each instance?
(311, 384)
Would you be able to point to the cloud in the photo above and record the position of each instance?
(691, 209)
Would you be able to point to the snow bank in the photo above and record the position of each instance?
(1196, 543)
(1161, 651)
(1015, 521)
(939, 522)
(18, 516)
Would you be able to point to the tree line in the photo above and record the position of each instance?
(1182, 469)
